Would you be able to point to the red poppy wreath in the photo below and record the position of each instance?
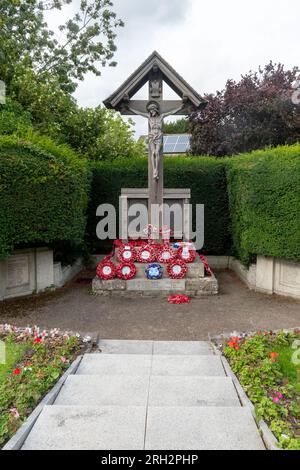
(126, 271)
(187, 254)
(166, 255)
(177, 269)
(126, 254)
(146, 254)
(106, 270)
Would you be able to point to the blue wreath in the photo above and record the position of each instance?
(154, 271)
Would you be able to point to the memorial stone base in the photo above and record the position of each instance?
(195, 284)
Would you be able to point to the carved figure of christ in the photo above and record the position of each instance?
(155, 136)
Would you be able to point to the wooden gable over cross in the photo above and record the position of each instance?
(155, 70)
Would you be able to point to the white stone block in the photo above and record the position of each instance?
(44, 269)
(17, 274)
(57, 273)
(287, 278)
(265, 274)
(247, 275)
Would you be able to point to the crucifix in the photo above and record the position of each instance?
(155, 70)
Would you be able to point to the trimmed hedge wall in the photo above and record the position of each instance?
(44, 192)
(264, 196)
(252, 201)
(205, 177)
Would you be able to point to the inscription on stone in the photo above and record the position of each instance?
(17, 271)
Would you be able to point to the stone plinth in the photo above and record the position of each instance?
(193, 287)
(195, 284)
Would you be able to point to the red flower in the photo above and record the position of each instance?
(37, 340)
(17, 371)
(273, 355)
(233, 343)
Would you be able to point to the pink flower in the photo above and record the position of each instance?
(63, 359)
(15, 413)
(275, 399)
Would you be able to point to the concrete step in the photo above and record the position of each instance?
(123, 428)
(115, 364)
(155, 347)
(110, 346)
(80, 390)
(88, 428)
(201, 428)
(144, 365)
(182, 348)
(184, 365)
(104, 390)
(192, 391)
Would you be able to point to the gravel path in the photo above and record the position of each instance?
(235, 308)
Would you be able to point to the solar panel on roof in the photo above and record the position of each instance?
(177, 143)
(171, 139)
(169, 148)
(183, 139)
(180, 148)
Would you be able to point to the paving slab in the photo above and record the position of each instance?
(88, 428)
(207, 366)
(106, 390)
(182, 347)
(192, 391)
(115, 364)
(197, 428)
(125, 347)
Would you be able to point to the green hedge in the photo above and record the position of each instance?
(43, 193)
(205, 177)
(264, 196)
(252, 201)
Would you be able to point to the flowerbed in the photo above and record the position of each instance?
(43, 359)
(268, 367)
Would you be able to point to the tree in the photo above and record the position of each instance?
(181, 126)
(27, 41)
(256, 112)
(41, 73)
(116, 140)
(13, 118)
(97, 134)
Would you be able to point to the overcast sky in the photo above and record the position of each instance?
(206, 41)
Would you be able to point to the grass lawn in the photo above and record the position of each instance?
(14, 353)
(268, 368)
